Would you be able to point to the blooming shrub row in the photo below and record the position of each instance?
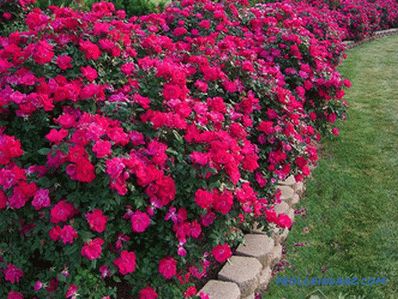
(359, 19)
(135, 153)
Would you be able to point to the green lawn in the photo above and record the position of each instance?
(352, 199)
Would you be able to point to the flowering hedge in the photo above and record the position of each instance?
(135, 153)
(359, 19)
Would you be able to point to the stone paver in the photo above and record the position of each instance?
(282, 208)
(286, 192)
(294, 200)
(217, 289)
(244, 271)
(257, 246)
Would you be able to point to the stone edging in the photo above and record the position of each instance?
(377, 34)
(249, 271)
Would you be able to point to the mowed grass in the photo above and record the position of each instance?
(352, 198)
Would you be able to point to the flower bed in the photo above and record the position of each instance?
(134, 154)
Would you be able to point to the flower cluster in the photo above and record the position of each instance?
(135, 153)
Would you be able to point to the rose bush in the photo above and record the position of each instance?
(135, 153)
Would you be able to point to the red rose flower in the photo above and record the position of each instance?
(127, 68)
(68, 234)
(336, 131)
(90, 50)
(12, 274)
(10, 148)
(190, 291)
(89, 72)
(54, 233)
(222, 253)
(61, 211)
(92, 249)
(7, 16)
(82, 171)
(14, 295)
(168, 267)
(148, 293)
(167, 189)
(102, 148)
(43, 52)
(284, 221)
(208, 219)
(71, 292)
(97, 220)
(56, 136)
(199, 158)
(126, 262)
(203, 198)
(41, 199)
(267, 127)
(139, 221)
(223, 202)
(64, 62)
(271, 216)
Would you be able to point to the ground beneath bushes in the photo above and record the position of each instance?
(351, 223)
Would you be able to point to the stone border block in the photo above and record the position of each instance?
(282, 208)
(257, 246)
(217, 289)
(286, 192)
(244, 271)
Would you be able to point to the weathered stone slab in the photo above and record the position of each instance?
(282, 208)
(286, 192)
(244, 271)
(257, 246)
(294, 200)
(217, 289)
(251, 296)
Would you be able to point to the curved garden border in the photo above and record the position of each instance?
(249, 270)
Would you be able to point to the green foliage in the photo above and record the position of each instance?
(62, 3)
(139, 7)
(132, 7)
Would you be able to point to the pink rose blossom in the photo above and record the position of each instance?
(168, 267)
(140, 221)
(97, 220)
(13, 274)
(92, 249)
(222, 252)
(126, 263)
